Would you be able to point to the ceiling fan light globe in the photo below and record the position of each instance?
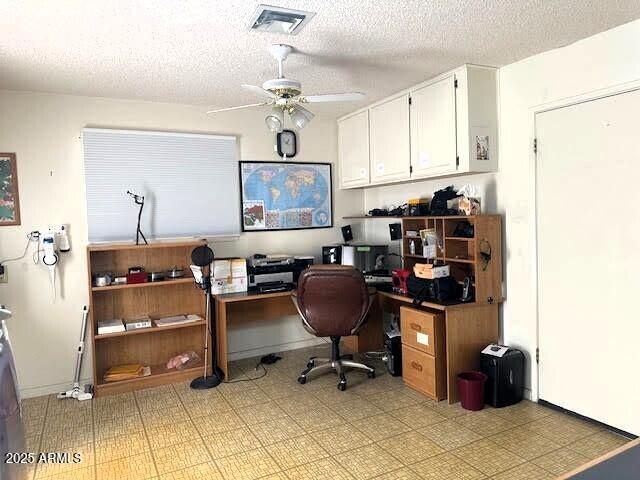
(275, 120)
(298, 120)
(300, 117)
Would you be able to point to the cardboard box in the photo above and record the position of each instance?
(229, 275)
(430, 272)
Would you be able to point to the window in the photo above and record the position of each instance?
(189, 181)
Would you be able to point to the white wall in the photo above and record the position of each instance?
(608, 59)
(44, 132)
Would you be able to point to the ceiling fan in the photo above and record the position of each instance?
(285, 96)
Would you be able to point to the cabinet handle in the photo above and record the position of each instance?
(416, 366)
(416, 327)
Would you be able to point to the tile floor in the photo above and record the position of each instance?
(275, 429)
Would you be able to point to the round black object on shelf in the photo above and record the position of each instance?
(202, 256)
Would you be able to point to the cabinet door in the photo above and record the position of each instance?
(433, 129)
(389, 134)
(353, 150)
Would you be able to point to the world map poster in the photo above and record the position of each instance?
(285, 195)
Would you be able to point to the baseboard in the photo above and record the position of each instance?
(528, 394)
(254, 352)
(615, 430)
(38, 391)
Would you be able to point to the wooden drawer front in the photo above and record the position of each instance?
(419, 329)
(419, 371)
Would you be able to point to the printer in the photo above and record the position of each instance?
(275, 273)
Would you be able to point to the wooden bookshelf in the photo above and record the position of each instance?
(150, 346)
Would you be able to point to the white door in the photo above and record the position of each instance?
(433, 129)
(389, 140)
(353, 150)
(588, 171)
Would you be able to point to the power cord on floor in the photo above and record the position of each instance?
(269, 359)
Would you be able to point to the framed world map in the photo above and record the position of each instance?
(285, 195)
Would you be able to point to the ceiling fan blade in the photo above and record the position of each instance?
(262, 104)
(259, 91)
(332, 97)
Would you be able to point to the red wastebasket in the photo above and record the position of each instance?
(471, 390)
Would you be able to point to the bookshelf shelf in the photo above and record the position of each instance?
(162, 283)
(150, 330)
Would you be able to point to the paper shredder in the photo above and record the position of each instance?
(505, 385)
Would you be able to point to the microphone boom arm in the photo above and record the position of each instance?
(138, 200)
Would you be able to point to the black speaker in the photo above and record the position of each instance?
(347, 234)
(395, 231)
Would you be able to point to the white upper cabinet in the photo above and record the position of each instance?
(448, 128)
(353, 150)
(433, 129)
(390, 151)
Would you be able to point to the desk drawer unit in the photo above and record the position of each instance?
(423, 352)
(419, 329)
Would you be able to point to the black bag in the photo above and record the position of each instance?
(440, 290)
(438, 204)
(420, 289)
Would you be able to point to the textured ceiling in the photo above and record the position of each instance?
(199, 52)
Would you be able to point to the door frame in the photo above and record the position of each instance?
(585, 97)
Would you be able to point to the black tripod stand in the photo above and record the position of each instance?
(202, 258)
(139, 200)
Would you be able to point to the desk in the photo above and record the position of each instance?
(237, 307)
(469, 327)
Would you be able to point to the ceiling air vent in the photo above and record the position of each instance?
(279, 20)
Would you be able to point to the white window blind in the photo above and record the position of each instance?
(189, 181)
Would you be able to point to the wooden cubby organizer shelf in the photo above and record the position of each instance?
(463, 255)
(151, 346)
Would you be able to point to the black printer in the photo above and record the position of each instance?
(275, 273)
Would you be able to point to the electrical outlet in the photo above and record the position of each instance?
(4, 274)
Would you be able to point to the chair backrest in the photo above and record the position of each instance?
(333, 300)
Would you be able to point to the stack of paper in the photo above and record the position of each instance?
(126, 372)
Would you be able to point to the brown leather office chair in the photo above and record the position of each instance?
(333, 301)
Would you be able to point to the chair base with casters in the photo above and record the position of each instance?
(337, 362)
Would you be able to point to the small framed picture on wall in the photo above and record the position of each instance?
(9, 200)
